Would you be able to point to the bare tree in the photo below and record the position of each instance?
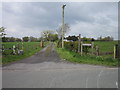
(49, 35)
(66, 30)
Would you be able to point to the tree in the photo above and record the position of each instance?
(25, 39)
(5, 39)
(107, 38)
(33, 39)
(12, 39)
(73, 38)
(2, 31)
(49, 35)
(66, 30)
(40, 39)
(46, 34)
(99, 38)
(84, 39)
(53, 37)
(92, 39)
(18, 40)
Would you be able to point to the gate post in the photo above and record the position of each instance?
(81, 48)
(79, 40)
(14, 49)
(92, 46)
(116, 51)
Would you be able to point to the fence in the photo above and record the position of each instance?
(89, 48)
(19, 48)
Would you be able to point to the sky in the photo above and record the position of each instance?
(90, 19)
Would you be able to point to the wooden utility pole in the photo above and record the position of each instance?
(63, 6)
(79, 40)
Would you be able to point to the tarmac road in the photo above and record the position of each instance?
(46, 70)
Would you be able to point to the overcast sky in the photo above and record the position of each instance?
(89, 19)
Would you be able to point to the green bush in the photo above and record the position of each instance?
(109, 60)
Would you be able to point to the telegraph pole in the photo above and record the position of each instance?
(63, 6)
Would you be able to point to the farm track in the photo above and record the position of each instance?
(46, 70)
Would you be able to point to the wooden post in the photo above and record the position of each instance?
(63, 7)
(81, 48)
(22, 45)
(41, 44)
(3, 48)
(97, 50)
(92, 46)
(114, 51)
(79, 40)
(18, 46)
(118, 50)
(14, 49)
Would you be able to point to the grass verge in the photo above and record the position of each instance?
(96, 60)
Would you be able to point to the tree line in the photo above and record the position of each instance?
(50, 35)
(75, 38)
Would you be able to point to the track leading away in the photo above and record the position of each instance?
(46, 70)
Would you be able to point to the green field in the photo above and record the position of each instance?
(29, 49)
(106, 46)
(106, 60)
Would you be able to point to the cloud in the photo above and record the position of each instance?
(87, 30)
(0, 14)
(90, 19)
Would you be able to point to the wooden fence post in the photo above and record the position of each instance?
(116, 51)
(97, 50)
(3, 48)
(81, 48)
(79, 40)
(14, 49)
(41, 45)
(22, 46)
(92, 46)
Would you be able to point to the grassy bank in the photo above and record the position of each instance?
(29, 49)
(75, 57)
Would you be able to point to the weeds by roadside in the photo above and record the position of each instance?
(75, 57)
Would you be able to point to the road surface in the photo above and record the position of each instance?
(46, 70)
